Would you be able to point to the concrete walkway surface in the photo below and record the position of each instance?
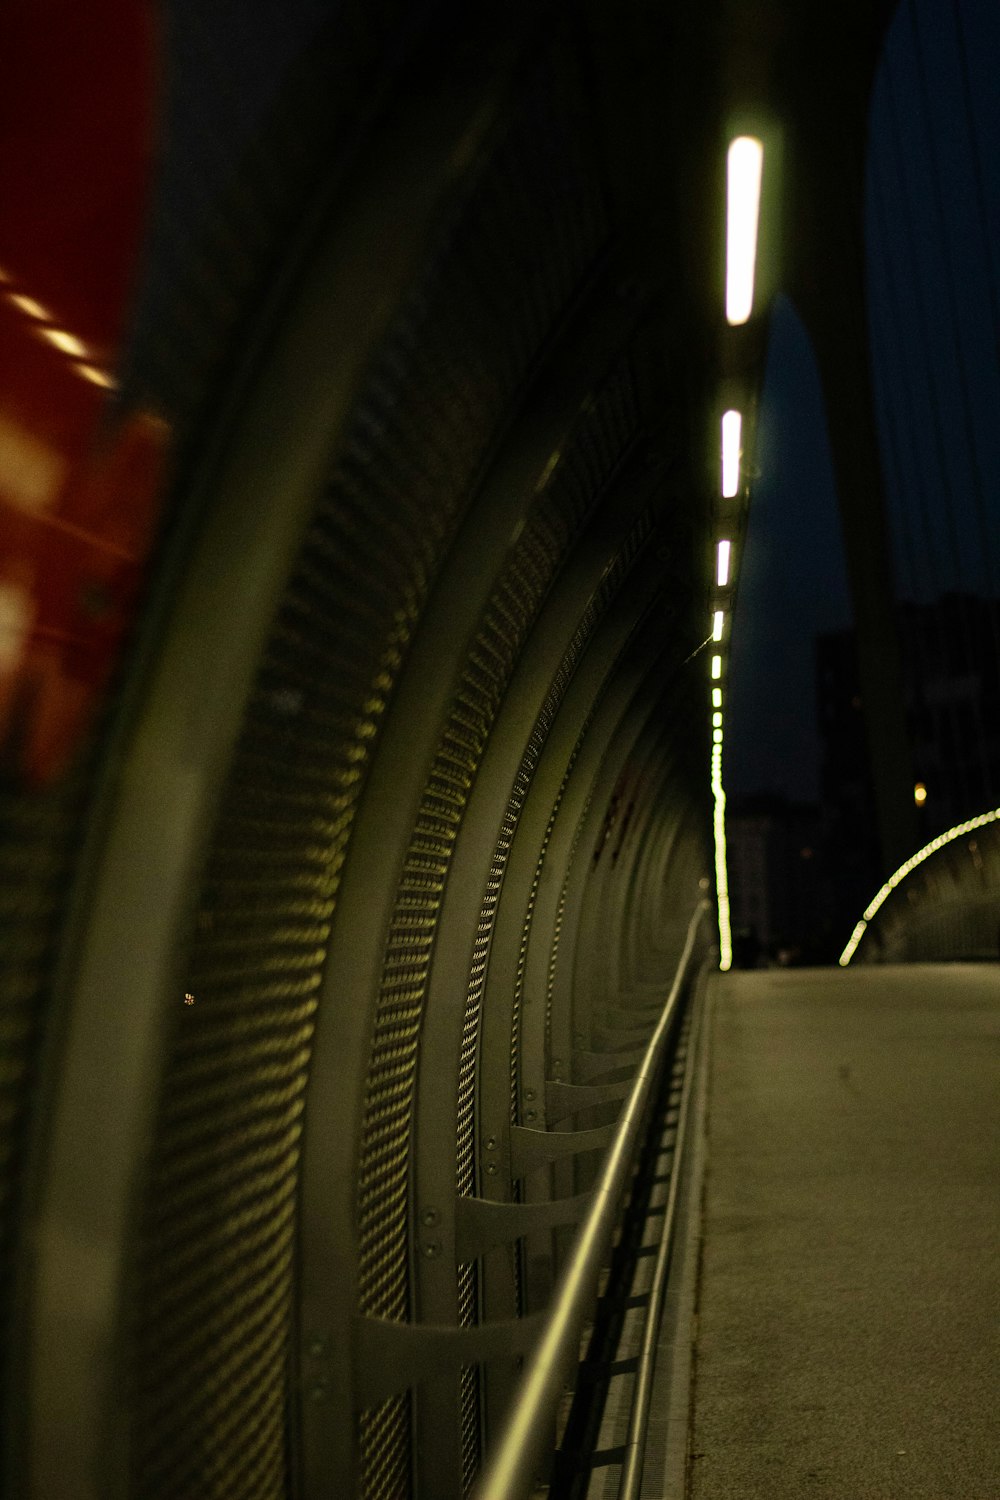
(848, 1309)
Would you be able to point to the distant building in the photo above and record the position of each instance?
(778, 886)
(847, 801)
(951, 659)
(951, 665)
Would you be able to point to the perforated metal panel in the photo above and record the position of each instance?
(218, 1235)
(266, 109)
(40, 834)
(541, 165)
(213, 234)
(592, 454)
(529, 914)
(610, 586)
(215, 1263)
(508, 279)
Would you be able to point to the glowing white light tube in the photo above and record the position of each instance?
(744, 165)
(717, 620)
(722, 566)
(732, 430)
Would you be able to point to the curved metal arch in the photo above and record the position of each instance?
(369, 886)
(546, 1043)
(593, 682)
(124, 981)
(636, 732)
(659, 879)
(535, 907)
(594, 703)
(646, 919)
(542, 657)
(596, 954)
(611, 935)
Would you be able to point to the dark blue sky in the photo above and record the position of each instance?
(933, 243)
(792, 582)
(933, 255)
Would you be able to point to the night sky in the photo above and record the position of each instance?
(792, 583)
(933, 253)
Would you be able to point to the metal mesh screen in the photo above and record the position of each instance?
(218, 1233)
(592, 456)
(214, 1275)
(39, 843)
(610, 586)
(385, 1163)
(541, 166)
(593, 452)
(281, 118)
(211, 236)
(264, 108)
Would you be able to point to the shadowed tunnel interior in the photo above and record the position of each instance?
(402, 809)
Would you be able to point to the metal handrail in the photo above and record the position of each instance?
(511, 1467)
(642, 1395)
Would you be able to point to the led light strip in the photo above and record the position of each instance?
(905, 869)
(744, 168)
(721, 871)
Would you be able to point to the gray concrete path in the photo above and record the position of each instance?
(848, 1332)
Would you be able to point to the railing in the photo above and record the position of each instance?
(527, 1433)
(942, 903)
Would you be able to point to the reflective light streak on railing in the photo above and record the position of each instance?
(732, 429)
(744, 165)
(905, 869)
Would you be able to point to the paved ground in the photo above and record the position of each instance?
(848, 1335)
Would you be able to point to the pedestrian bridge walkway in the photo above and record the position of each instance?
(844, 1266)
